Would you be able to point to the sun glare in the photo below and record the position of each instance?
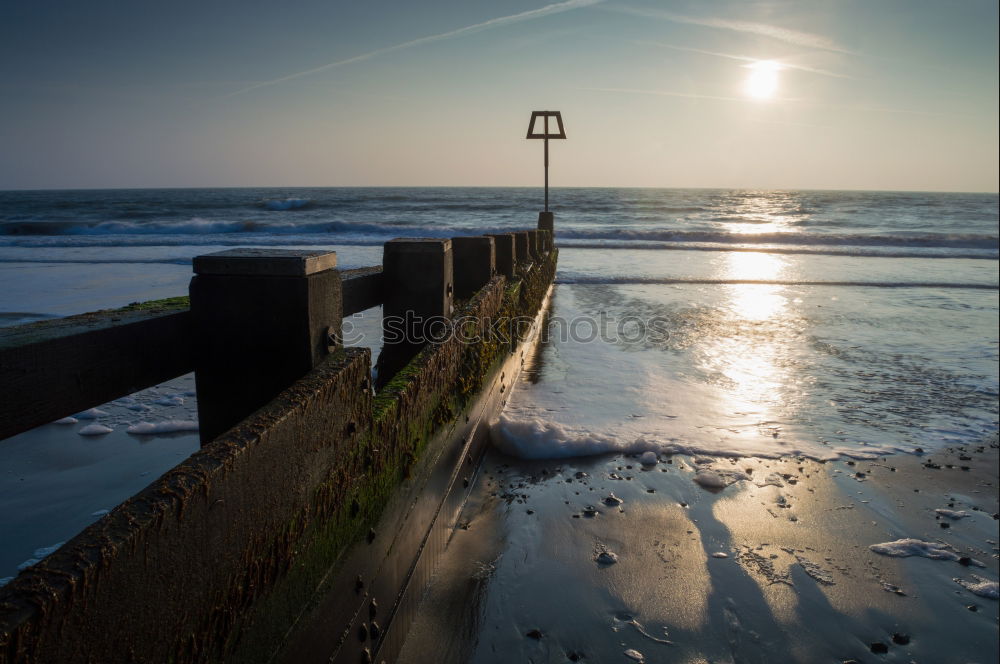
(762, 81)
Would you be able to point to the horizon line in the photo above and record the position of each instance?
(497, 186)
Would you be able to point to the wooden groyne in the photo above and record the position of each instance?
(307, 526)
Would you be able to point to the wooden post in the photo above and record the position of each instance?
(535, 246)
(263, 318)
(521, 249)
(475, 263)
(506, 253)
(418, 284)
(545, 239)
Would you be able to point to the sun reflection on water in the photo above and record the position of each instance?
(749, 350)
(766, 212)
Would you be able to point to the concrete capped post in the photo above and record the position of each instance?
(263, 318)
(475, 263)
(521, 246)
(506, 253)
(418, 282)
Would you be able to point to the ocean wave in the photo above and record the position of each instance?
(577, 236)
(942, 240)
(536, 438)
(861, 252)
(287, 203)
(195, 226)
(638, 281)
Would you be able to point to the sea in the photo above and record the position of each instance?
(705, 321)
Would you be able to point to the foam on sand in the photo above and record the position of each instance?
(169, 426)
(904, 548)
(710, 479)
(66, 420)
(534, 438)
(952, 514)
(94, 429)
(980, 586)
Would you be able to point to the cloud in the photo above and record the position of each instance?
(796, 37)
(789, 100)
(744, 58)
(665, 93)
(498, 22)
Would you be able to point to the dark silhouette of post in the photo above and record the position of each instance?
(263, 318)
(418, 282)
(545, 218)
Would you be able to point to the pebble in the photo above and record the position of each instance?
(607, 558)
(613, 500)
(635, 655)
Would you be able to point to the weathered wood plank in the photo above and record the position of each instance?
(362, 289)
(55, 368)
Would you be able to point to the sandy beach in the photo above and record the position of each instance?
(699, 559)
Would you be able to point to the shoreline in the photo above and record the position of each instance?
(792, 575)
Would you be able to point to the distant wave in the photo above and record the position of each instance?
(863, 252)
(627, 281)
(943, 240)
(201, 226)
(287, 203)
(193, 226)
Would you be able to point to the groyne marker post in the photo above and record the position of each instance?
(545, 218)
(263, 318)
(418, 283)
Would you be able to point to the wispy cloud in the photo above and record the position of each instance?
(777, 100)
(785, 64)
(665, 93)
(498, 22)
(789, 36)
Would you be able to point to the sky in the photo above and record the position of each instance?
(837, 94)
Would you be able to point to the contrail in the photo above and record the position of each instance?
(664, 93)
(797, 37)
(459, 32)
(743, 58)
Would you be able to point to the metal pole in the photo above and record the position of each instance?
(546, 163)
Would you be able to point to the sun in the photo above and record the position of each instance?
(762, 81)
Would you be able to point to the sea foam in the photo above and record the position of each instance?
(94, 429)
(538, 438)
(980, 586)
(904, 548)
(169, 426)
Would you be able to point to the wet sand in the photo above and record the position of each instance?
(545, 566)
